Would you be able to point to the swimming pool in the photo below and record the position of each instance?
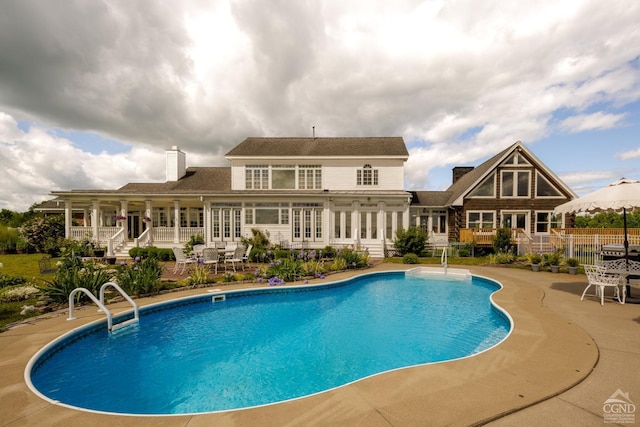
(269, 345)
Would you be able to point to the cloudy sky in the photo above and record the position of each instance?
(93, 92)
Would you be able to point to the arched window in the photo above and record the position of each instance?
(367, 176)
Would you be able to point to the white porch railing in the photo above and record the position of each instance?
(145, 239)
(187, 232)
(104, 234)
(116, 241)
(167, 234)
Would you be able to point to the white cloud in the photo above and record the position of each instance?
(629, 155)
(466, 78)
(584, 122)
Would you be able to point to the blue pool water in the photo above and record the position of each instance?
(259, 347)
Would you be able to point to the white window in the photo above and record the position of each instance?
(309, 177)
(480, 219)
(367, 176)
(257, 177)
(545, 221)
(515, 183)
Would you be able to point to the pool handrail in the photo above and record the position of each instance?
(443, 259)
(94, 299)
(123, 293)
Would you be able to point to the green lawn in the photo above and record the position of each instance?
(25, 265)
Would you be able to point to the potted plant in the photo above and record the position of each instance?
(535, 260)
(572, 265)
(554, 259)
(99, 251)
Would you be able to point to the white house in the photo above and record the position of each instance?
(313, 192)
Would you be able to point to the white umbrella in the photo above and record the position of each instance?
(618, 196)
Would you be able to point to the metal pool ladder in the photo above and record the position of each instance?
(443, 259)
(102, 307)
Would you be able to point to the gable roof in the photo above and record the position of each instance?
(467, 182)
(385, 147)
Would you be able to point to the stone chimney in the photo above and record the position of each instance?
(176, 164)
(460, 171)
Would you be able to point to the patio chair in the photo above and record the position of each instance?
(234, 257)
(600, 280)
(245, 257)
(181, 260)
(197, 249)
(210, 257)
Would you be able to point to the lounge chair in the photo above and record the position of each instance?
(600, 280)
(182, 259)
(211, 257)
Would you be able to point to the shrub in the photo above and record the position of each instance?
(501, 258)
(141, 277)
(410, 259)
(338, 264)
(44, 233)
(502, 241)
(572, 262)
(287, 269)
(534, 258)
(18, 293)
(327, 252)
(353, 259)
(410, 241)
(6, 280)
(73, 273)
(195, 239)
(553, 258)
(199, 276)
(313, 268)
(260, 240)
(464, 252)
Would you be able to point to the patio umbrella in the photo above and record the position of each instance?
(619, 196)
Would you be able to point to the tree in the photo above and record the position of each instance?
(608, 220)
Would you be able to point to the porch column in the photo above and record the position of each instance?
(95, 222)
(85, 215)
(355, 220)
(380, 222)
(207, 223)
(327, 220)
(67, 218)
(176, 221)
(125, 225)
(148, 211)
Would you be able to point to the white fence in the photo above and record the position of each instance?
(584, 247)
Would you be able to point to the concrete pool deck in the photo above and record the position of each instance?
(564, 358)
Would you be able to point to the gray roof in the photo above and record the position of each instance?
(196, 180)
(321, 147)
(430, 198)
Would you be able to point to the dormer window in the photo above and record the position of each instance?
(367, 176)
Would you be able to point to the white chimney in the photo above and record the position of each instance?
(176, 164)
